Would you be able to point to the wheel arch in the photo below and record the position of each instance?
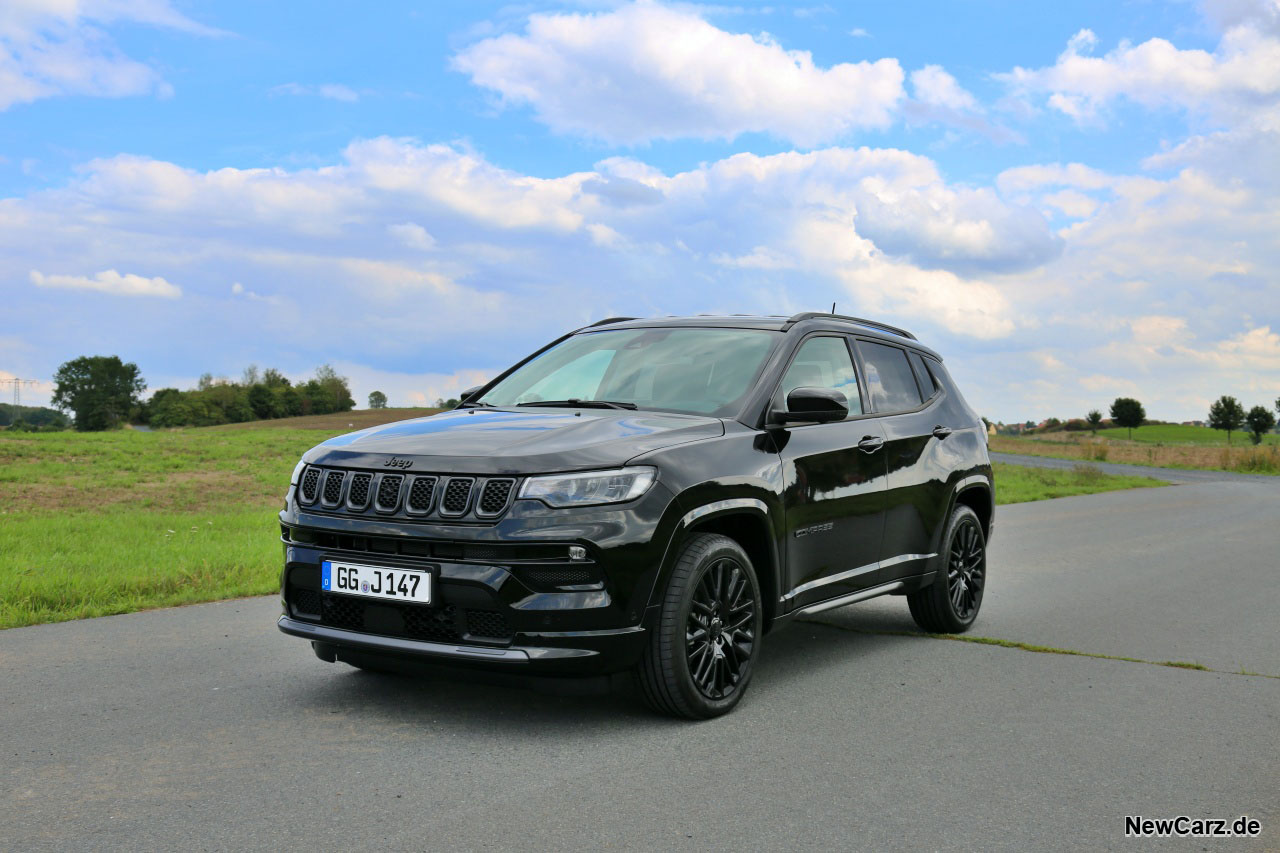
(976, 492)
(745, 521)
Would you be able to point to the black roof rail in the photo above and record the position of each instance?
(872, 324)
(607, 320)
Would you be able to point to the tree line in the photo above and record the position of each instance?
(102, 392)
(1226, 414)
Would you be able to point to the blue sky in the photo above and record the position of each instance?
(1071, 201)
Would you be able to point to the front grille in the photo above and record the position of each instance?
(494, 496)
(431, 623)
(413, 621)
(557, 577)
(462, 499)
(333, 487)
(456, 496)
(304, 600)
(420, 494)
(432, 548)
(358, 491)
(310, 485)
(488, 623)
(389, 492)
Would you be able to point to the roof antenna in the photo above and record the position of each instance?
(833, 308)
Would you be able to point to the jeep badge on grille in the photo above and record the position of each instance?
(397, 462)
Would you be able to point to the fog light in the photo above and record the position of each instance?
(577, 553)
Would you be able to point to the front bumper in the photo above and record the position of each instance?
(507, 594)
(590, 652)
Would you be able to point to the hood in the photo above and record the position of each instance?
(500, 441)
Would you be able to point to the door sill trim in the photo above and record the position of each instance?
(851, 598)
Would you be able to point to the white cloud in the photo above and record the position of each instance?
(647, 71)
(110, 281)
(1238, 79)
(413, 235)
(49, 49)
(1072, 203)
(332, 91)
(933, 85)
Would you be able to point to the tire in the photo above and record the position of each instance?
(951, 602)
(700, 656)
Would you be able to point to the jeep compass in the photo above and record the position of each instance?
(651, 496)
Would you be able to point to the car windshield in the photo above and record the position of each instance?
(700, 371)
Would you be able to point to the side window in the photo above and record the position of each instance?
(927, 385)
(890, 380)
(824, 363)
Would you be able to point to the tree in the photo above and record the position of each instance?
(1260, 421)
(1094, 419)
(1228, 414)
(273, 378)
(1128, 412)
(377, 400)
(99, 390)
(262, 402)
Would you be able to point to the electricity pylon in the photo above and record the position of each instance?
(17, 385)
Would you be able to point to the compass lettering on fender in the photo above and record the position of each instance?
(397, 462)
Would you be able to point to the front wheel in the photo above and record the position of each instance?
(950, 604)
(699, 659)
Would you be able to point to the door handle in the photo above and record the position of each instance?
(941, 431)
(871, 443)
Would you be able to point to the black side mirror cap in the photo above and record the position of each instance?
(469, 393)
(813, 405)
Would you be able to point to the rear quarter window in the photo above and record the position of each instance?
(891, 382)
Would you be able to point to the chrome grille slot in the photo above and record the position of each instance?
(358, 491)
(389, 492)
(457, 496)
(494, 497)
(421, 492)
(331, 495)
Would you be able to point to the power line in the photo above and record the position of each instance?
(17, 386)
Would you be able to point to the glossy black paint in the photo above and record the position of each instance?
(822, 509)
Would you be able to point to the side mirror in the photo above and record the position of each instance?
(469, 393)
(813, 405)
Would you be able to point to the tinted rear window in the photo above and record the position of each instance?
(890, 381)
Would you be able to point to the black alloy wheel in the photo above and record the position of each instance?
(702, 651)
(966, 570)
(950, 603)
(720, 632)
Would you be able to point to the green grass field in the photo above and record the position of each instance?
(1020, 484)
(98, 523)
(1179, 434)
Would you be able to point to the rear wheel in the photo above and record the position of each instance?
(701, 654)
(950, 604)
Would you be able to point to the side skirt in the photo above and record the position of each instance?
(902, 586)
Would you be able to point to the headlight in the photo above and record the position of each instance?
(590, 488)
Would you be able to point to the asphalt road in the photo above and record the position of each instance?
(204, 728)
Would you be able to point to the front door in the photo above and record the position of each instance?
(835, 482)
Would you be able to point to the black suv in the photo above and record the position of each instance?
(650, 496)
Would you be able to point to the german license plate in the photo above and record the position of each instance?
(375, 581)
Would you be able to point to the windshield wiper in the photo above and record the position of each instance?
(585, 404)
(474, 405)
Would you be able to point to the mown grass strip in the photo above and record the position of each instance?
(1037, 649)
(1022, 483)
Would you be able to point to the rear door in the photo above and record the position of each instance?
(907, 401)
(834, 481)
